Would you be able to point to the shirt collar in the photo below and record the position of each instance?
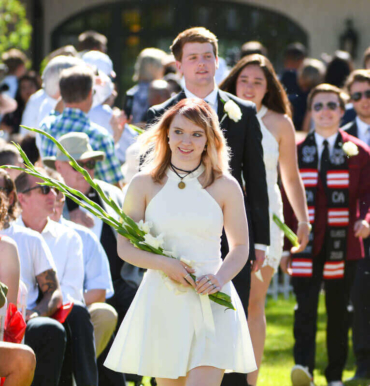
(361, 126)
(49, 228)
(210, 98)
(74, 113)
(320, 140)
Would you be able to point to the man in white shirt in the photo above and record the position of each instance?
(97, 278)
(45, 335)
(37, 203)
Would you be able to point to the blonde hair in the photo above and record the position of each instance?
(157, 152)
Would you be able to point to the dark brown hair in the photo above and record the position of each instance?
(91, 40)
(75, 84)
(193, 35)
(13, 59)
(276, 98)
(326, 88)
(357, 76)
(9, 188)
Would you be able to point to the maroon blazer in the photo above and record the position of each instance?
(359, 202)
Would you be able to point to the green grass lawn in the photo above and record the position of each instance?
(278, 356)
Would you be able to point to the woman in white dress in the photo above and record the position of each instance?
(254, 79)
(172, 330)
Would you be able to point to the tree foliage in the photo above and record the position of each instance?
(15, 29)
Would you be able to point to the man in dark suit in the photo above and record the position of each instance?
(196, 51)
(358, 86)
(335, 170)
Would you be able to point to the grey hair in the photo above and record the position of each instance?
(51, 73)
(149, 62)
(312, 71)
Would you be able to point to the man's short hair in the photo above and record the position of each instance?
(92, 40)
(366, 56)
(326, 88)
(76, 83)
(357, 76)
(312, 71)
(295, 52)
(253, 47)
(193, 35)
(22, 182)
(13, 59)
(9, 155)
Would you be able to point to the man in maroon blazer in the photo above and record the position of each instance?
(335, 168)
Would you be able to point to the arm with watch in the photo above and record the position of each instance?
(51, 295)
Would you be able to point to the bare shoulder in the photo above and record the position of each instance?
(140, 182)
(7, 244)
(282, 121)
(227, 185)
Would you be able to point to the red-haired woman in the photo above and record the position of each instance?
(253, 78)
(172, 331)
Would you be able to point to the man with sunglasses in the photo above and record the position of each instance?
(126, 278)
(358, 87)
(335, 169)
(38, 202)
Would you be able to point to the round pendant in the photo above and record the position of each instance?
(181, 185)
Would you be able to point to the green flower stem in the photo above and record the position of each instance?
(287, 231)
(128, 229)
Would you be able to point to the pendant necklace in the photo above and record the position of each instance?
(182, 184)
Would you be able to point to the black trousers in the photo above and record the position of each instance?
(121, 301)
(242, 283)
(47, 338)
(80, 353)
(361, 316)
(337, 297)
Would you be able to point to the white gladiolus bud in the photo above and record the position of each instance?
(233, 111)
(350, 149)
(155, 242)
(144, 226)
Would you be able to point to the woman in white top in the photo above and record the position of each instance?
(254, 79)
(172, 330)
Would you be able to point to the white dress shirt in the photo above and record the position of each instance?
(35, 258)
(66, 248)
(363, 131)
(320, 144)
(211, 98)
(96, 264)
(31, 111)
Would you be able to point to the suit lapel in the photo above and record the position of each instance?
(353, 130)
(222, 98)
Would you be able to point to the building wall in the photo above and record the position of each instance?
(324, 21)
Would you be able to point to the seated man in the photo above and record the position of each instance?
(37, 203)
(44, 335)
(97, 281)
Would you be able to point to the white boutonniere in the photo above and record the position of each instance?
(232, 110)
(350, 149)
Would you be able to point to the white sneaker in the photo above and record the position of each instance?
(336, 383)
(300, 376)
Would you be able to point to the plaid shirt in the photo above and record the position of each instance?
(75, 120)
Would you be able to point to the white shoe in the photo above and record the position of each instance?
(300, 376)
(336, 383)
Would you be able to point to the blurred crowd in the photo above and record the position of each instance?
(68, 258)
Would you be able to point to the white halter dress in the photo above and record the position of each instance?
(271, 158)
(170, 330)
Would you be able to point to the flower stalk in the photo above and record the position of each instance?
(287, 231)
(138, 234)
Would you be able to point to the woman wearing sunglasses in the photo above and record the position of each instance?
(253, 78)
(335, 169)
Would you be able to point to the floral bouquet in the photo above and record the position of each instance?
(138, 234)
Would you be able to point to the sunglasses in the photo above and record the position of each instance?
(45, 189)
(356, 96)
(330, 105)
(88, 164)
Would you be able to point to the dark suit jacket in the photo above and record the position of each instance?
(359, 202)
(245, 140)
